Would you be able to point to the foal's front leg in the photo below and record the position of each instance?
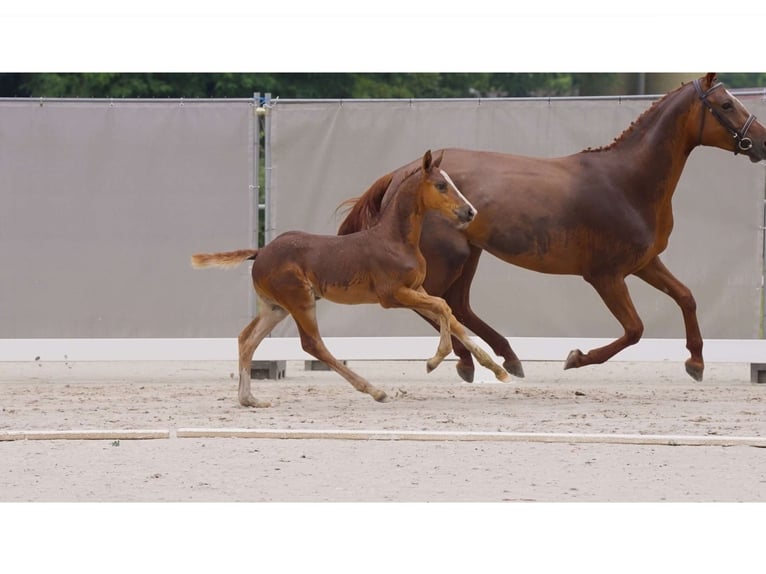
(437, 309)
(458, 331)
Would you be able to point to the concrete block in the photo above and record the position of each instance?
(267, 369)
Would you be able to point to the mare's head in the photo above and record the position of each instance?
(725, 123)
(441, 194)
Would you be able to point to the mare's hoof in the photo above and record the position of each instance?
(515, 368)
(694, 370)
(466, 372)
(573, 359)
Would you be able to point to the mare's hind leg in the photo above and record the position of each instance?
(458, 297)
(305, 317)
(268, 317)
(657, 275)
(615, 294)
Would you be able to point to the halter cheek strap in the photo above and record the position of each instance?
(744, 143)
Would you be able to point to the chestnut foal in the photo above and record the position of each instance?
(382, 264)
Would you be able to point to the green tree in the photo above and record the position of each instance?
(331, 85)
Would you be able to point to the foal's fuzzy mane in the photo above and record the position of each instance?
(364, 211)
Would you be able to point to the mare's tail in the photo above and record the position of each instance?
(227, 260)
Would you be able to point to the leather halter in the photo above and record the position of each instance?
(744, 143)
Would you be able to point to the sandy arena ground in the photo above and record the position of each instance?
(615, 398)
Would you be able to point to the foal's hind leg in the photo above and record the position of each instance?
(658, 276)
(268, 317)
(305, 318)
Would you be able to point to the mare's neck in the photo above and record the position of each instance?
(665, 128)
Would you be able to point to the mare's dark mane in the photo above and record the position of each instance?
(644, 118)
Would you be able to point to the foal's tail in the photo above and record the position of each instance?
(226, 260)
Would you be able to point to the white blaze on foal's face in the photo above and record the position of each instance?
(460, 194)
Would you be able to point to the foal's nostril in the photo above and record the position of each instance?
(466, 213)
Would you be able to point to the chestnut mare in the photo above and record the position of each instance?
(382, 264)
(601, 213)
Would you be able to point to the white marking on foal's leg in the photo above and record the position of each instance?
(484, 359)
(445, 344)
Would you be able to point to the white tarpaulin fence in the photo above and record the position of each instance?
(326, 151)
(103, 202)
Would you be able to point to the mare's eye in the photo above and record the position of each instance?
(441, 186)
(727, 106)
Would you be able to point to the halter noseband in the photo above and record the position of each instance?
(744, 143)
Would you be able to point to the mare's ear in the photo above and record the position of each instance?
(427, 160)
(710, 79)
(438, 160)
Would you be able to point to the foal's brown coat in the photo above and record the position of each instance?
(382, 264)
(602, 214)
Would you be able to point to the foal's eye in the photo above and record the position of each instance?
(727, 106)
(441, 186)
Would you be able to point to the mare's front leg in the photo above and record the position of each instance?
(268, 317)
(614, 293)
(657, 275)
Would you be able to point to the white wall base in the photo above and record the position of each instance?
(356, 349)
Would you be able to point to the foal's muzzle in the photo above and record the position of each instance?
(465, 214)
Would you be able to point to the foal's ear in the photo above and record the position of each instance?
(427, 160)
(710, 79)
(438, 160)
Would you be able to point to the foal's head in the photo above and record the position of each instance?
(440, 193)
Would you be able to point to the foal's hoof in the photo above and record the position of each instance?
(381, 397)
(466, 372)
(515, 368)
(574, 359)
(695, 370)
(431, 364)
(253, 402)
